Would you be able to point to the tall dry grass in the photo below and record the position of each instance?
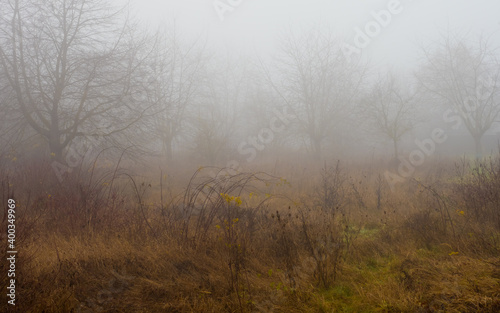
(106, 240)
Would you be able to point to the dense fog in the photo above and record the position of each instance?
(231, 82)
(250, 155)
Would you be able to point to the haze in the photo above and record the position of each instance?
(254, 26)
(250, 155)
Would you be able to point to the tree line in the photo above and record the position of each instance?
(72, 70)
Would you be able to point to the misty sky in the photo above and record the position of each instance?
(253, 26)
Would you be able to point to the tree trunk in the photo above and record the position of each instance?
(55, 146)
(316, 147)
(396, 149)
(56, 149)
(479, 147)
(167, 147)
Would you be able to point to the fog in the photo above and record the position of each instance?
(250, 155)
(208, 78)
(245, 31)
(253, 27)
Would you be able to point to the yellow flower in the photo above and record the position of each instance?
(238, 201)
(285, 182)
(453, 253)
(53, 154)
(252, 194)
(14, 159)
(227, 197)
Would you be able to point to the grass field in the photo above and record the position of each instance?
(333, 238)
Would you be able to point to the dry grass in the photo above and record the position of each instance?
(341, 242)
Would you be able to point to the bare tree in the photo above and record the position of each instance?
(318, 84)
(70, 65)
(214, 120)
(390, 109)
(466, 77)
(260, 111)
(9, 120)
(176, 79)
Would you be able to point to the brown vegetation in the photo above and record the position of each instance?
(108, 241)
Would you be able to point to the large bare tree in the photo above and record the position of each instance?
(175, 72)
(70, 65)
(318, 83)
(390, 109)
(466, 77)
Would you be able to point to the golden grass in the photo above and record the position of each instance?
(293, 254)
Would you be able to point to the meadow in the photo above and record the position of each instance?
(324, 238)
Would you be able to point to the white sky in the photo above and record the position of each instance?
(253, 26)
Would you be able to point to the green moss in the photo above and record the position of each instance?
(372, 264)
(368, 232)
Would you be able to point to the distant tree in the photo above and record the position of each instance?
(466, 77)
(318, 84)
(262, 107)
(176, 71)
(390, 109)
(70, 66)
(214, 121)
(10, 120)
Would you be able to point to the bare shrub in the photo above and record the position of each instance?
(325, 231)
(208, 201)
(478, 187)
(477, 190)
